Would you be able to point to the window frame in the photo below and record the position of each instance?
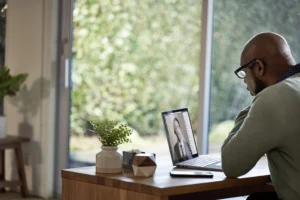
(64, 88)
(205, 75)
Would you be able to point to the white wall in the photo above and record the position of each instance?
(31, 44)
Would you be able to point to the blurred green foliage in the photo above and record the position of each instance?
(220, 131)
(235, 22)
(135, 59)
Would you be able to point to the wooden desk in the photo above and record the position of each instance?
(83, 183)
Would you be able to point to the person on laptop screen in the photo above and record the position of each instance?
(181, 148)
(271, 124)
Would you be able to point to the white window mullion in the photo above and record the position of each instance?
(205, 75)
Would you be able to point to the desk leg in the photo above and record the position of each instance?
(2, 167)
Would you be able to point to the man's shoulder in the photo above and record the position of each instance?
(279, 94)
(267, 93)
(288, 87)
(290, 84)
(269, 97)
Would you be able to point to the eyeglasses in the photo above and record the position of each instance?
(240, 71)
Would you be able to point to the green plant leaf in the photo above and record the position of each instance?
(9, 85)
(111, 134)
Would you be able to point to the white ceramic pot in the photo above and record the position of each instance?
(2, 126)
(109, 160)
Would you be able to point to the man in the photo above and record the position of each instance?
(181, 148)
(271, 125)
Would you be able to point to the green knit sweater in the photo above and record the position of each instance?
(270, 125)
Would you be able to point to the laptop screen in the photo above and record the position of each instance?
(179, 134)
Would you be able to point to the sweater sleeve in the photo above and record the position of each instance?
(256, 131)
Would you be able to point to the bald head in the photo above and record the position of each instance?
(272, 49)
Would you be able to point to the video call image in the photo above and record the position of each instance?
(180, 136)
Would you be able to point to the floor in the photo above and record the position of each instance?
(17, 196)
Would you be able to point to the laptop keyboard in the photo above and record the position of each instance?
(201, 161)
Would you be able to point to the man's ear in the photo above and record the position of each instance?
(260, 69)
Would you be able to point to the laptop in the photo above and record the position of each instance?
(182, 145)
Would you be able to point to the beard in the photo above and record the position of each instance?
(259, 86)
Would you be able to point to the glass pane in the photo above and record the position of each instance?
(132, 60)
(235, 22)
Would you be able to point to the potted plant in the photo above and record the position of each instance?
(9, 86)
(110, 135)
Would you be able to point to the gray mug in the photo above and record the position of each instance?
(127, 159)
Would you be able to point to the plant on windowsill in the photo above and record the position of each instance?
(110, 135)
(9, 86)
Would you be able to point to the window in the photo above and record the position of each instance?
(132, 60)
(235, 22)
